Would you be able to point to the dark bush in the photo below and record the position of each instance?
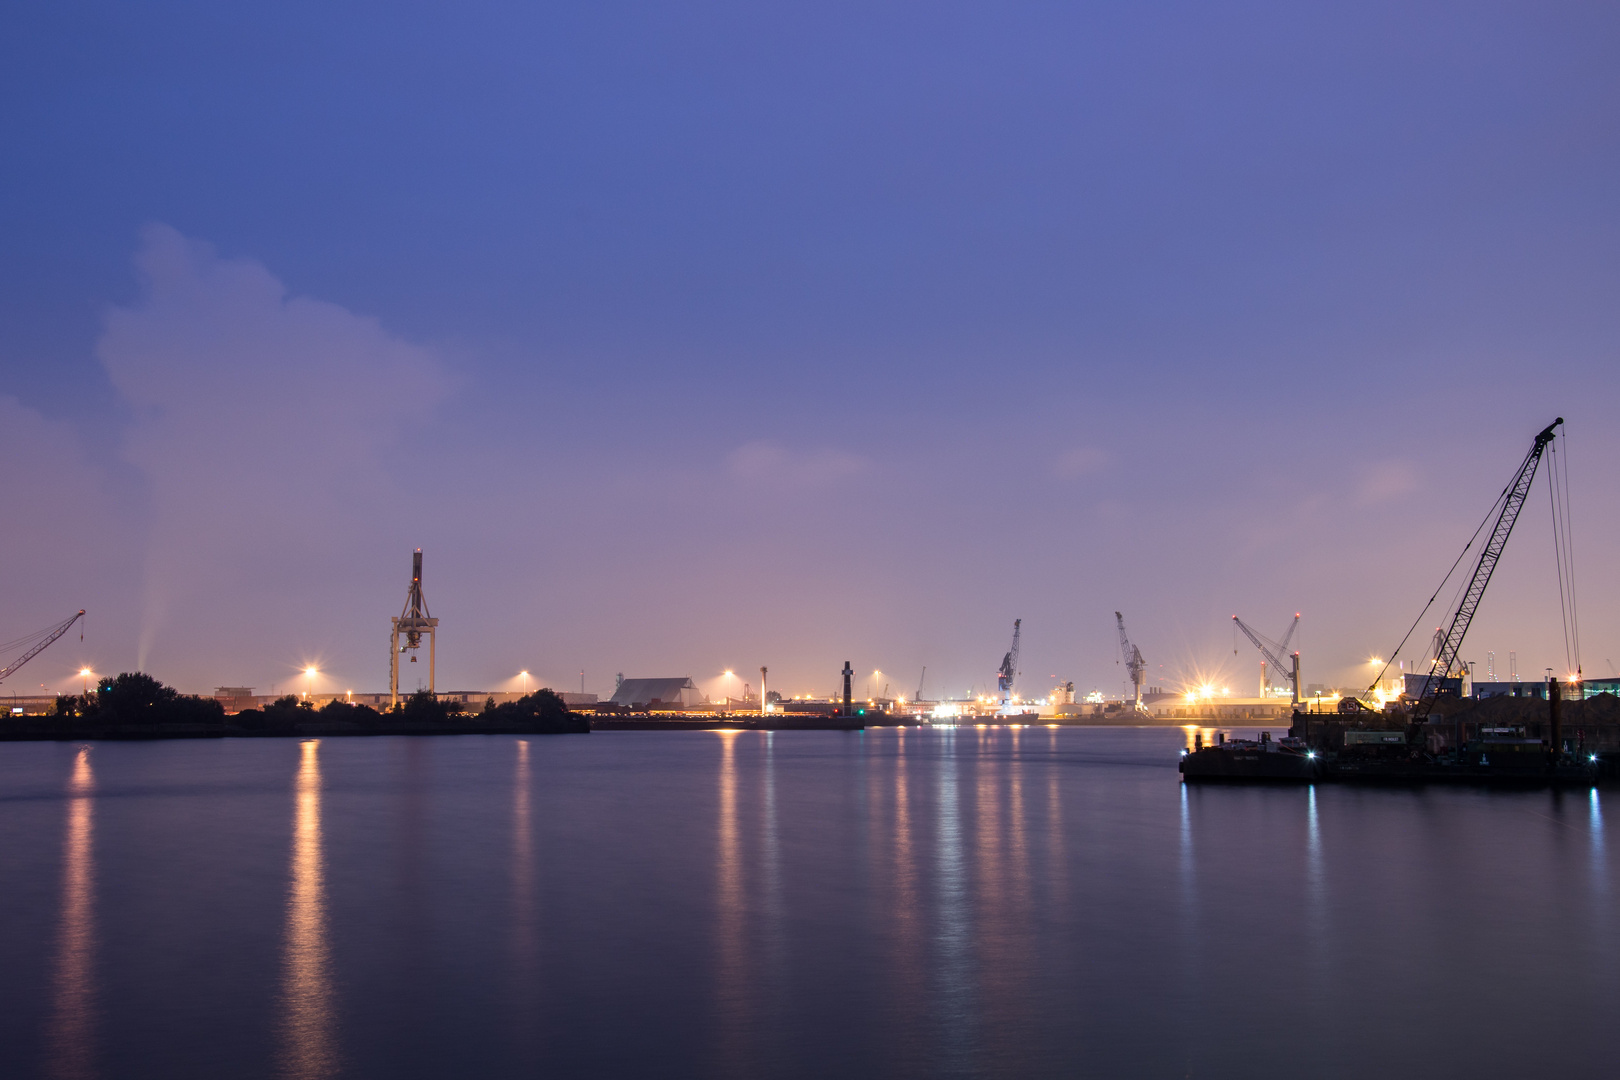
(542, 711)
(423, 708)
(338, 711)
(137, 698)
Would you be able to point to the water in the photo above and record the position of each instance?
(1009, 902)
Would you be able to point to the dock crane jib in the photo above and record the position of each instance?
(1449, 644)
(1008, 675)
(1273, 652)
(36, 643)
(1133, 662)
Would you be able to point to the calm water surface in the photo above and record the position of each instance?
(1010, 902)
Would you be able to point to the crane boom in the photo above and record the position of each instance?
(50, 635)
(1008, 675)
(1133, 661)
(1266, 650)
(1286, 638)
(1512, 499)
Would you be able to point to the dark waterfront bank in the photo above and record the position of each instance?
(134, 705)
(74, 732)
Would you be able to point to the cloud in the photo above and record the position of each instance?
(272, 430)
(769, 463)
(1081, 461)
(1385, 481)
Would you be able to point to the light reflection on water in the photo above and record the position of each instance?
(732, 990)
(308, 1048)
(524, 1003)
(1595, 824)
(961, 902)
(70, 1041)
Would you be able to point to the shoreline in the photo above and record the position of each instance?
(150, 732)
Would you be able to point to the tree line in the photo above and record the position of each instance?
(137, 699)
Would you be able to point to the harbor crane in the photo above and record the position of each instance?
(37, 642)
(413, 622)
(1448, 645)
(1273, 650)
(1009, 668)
(1278, 647)
(1133, 662)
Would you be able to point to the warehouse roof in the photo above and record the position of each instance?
(647, 691)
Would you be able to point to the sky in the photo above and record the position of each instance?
(686, 338)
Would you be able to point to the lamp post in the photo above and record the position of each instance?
(525, 676)
(309, 681)
(84, 680)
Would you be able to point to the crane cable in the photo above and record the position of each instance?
(1495, 507)
(1564, 556)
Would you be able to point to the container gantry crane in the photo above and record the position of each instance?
(1008, 675)
(413, 622)
(1133, 662)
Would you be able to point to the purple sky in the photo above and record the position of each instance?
(700, 336)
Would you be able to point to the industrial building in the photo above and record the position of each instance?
(661, 694)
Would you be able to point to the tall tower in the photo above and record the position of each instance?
(413, 622)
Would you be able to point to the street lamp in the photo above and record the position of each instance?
(84, 678)
(309, 681)
(525, 676)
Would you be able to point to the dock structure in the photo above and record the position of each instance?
(414, 621)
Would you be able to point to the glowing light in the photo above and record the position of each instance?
(310, 672)
(84, 672)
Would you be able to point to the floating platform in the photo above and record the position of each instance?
(1392, 760)
(1262, 760)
